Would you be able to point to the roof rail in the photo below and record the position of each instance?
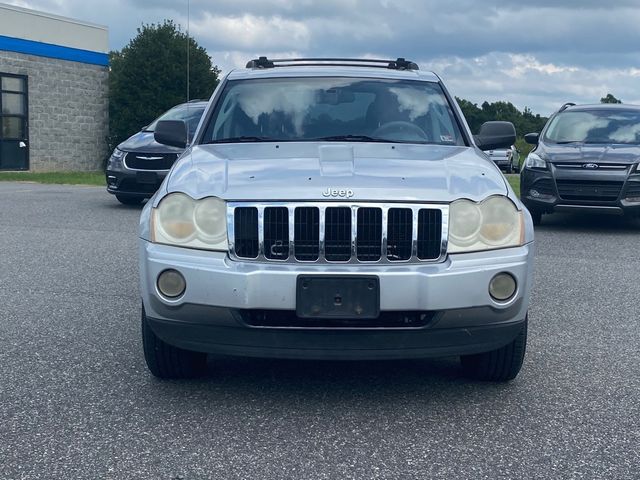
(398, 64)
(196, 100)
(565, 106)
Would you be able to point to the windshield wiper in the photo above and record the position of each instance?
(242, 139)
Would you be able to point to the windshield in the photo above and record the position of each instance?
(188, 113)
(595, 126)
(333, 109)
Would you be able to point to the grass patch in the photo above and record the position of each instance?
(514, 181)
(63, 178)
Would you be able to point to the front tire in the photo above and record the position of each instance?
(129, 199)
(166, 361)
(536, 216)
(499, 365)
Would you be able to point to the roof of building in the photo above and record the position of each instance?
(37, 33)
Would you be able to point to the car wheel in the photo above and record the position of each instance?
(498, 365)
(166, 361)
(129, 199)
(536, 216)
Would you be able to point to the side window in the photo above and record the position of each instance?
(224, 119)
(443, 128)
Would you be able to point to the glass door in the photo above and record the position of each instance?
(14, 145)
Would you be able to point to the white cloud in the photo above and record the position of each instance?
(539, 55)
(525, 81)
(250, 32)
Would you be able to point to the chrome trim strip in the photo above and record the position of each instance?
(292, 233)
(601, 166)
(414, 233)
(322, 226)
(385, 232)
(261, 233)
(231, 230)
(322, 206)
(124, 164)
(354, 231)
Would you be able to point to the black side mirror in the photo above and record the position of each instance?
(494, 135)
(532, 138)
(171, 132)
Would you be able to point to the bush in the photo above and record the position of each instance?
(149, 76)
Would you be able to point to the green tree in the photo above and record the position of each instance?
(149, 76)
(610, 99)
(525, 121)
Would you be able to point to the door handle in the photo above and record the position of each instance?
(22, 145)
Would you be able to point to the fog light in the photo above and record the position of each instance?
(171, 283)
(502, 287)
(534, 193)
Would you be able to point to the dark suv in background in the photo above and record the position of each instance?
(587, 158)
(138, 165)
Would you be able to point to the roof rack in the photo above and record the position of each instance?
(398, 64)
(565, 106)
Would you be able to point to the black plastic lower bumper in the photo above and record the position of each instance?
(134, 183)
(449, 333)
(539, 191)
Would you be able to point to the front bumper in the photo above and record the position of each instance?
(134, 182)
(211, 315)
(548, 199)
(502, 162)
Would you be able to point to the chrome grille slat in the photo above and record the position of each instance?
(338, 229)
(276, 233)
(339, 232)
(308, 240)
(399, 236)
(368, 234)
(427, 223)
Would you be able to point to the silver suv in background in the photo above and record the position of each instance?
(507, 159)
(335, 209)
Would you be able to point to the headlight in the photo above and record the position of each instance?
(534, 161)
(117, 153)
(182, 221)
(115, 160)
(490, 224)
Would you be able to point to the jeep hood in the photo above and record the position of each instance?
(303, 171)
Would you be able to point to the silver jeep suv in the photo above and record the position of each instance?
(335, 209)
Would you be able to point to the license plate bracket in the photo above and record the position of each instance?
(337, 296)
(147, 177)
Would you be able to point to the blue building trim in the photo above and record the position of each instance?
(40, 49)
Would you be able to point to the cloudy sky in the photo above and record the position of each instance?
(536, 54)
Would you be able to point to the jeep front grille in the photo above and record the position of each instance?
(333, 232)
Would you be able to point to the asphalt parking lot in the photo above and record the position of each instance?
(76, 400)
